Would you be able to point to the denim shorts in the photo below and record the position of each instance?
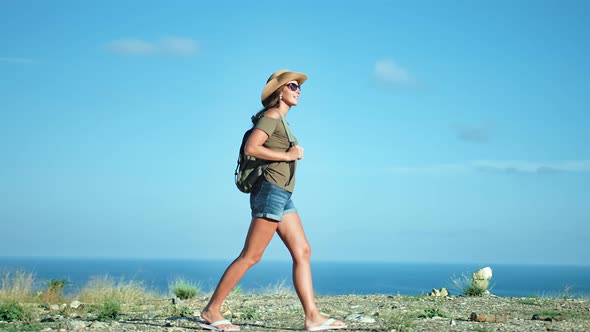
(270, 202)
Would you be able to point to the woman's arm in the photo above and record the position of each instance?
(254, 147)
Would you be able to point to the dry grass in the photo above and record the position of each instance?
(101, 289)
(17, 286)
(281, 287)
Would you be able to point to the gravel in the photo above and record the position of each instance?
(283, 312)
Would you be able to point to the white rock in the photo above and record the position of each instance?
(483, 274)
(434, 292)
(360, 318)
(76, 305)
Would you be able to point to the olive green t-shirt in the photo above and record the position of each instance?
(277, 172)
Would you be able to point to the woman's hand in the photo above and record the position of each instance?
(295, 153)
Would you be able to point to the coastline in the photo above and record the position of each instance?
(330, 278)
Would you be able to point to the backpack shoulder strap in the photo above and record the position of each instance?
(287, 130)
(291, 143)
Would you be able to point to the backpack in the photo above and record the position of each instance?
(249, 169)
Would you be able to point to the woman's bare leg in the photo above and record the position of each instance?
(291, 232)
(259, 235)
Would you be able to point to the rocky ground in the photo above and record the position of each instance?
(282, 312)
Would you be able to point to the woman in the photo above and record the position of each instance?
(272, 208)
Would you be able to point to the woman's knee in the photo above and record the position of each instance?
(302, 253)
(250, 259)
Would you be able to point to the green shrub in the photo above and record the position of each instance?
(481, 329)
(475, 289)
(181, 311)
(110, 309)
(248, 313)
(399, 322)
(530, 301)
(433, 312)
(13, 311)
(183, 289)
(470, 287)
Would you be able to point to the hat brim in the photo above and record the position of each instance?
(280, 80)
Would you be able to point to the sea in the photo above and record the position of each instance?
(329, 278)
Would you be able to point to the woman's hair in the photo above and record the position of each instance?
(271, 102)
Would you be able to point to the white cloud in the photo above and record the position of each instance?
(531, 167)
(17, 60)
(389, 72)
(497, 166)
(170, 45)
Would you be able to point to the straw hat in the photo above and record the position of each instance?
(278, 79)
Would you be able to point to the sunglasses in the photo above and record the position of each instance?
(294, 87)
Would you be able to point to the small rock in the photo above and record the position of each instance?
(442, 292)
(339, 312)
(98, 325)
(76, 305)
(47, 320)
(54, 307)
(74, 315)
(487, 318)
(453, 322)
(73, 325)
(360, 318)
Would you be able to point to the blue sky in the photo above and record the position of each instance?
(434, 131)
